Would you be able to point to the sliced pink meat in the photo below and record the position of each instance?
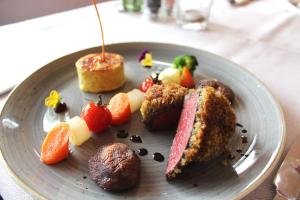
(184, 130)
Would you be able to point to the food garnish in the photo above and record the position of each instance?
(55, 147)
(158, 157)
(169, 75)
(79, 131)
(97, 116)
(146, 84)
(122, 134)
(54, 101)
(142, 151)
(186, 79)
(136, 98)
(188, 61)
(149, 82)
(102, 34)
(146, 59)
(119, 106)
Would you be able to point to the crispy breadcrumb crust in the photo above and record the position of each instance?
(161, 98)
(214, 124)
(219, 86)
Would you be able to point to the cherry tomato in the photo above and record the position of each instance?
(96, 116)
(146, 84)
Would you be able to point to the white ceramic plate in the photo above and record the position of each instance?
(23, 125)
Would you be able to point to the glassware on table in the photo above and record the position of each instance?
(193, 14)
(153, 7)
(169, 6)
(133, 5)
(159, 10)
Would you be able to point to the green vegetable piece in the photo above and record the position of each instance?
(188, 61)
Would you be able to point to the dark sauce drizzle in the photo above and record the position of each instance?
(158, 157)
(244, 131)
(244, 140)
(136, 139)
(61, 107)
(142, 152)
(122, 134)
(239, 125)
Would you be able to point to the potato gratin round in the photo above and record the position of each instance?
(96, 75)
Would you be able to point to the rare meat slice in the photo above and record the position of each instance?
(206, 123)
(162, 106)
(183, 134)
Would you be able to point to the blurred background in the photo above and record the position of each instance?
(12, 11)
(15, 10)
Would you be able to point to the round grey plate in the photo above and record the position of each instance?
(24, 122)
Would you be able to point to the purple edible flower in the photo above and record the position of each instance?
(143, 54)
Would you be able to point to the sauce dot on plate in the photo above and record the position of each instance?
(158, 157)
(136, 139)
(142, 152)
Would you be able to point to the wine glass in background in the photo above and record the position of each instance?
(193, 14)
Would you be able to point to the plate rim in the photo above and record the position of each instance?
(262, 176)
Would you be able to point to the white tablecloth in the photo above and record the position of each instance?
(262, 37)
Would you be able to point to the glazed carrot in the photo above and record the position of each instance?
(187, 78)
(55, 147)
(119, 107)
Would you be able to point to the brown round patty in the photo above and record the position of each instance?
(222, 88)
(115, 167)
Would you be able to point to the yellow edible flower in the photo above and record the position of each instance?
(147, 61)
(53, 99)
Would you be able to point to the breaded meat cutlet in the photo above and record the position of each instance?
(206, 124)
(162, 106)
(221, 87)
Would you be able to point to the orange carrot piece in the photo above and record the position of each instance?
(119, 108)
(187, 78)
(55, 147)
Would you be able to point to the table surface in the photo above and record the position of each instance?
(262, 37)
